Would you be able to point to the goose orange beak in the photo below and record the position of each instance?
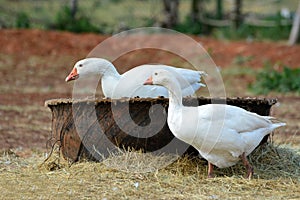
(149, 81)
(73, 75)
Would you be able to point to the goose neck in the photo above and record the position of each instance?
(109, 80)
(175, 95)
(110, 71)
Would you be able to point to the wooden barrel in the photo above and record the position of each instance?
(90, 129)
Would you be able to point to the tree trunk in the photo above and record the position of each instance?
(237, 13)
(74, 8)
(219, 9)
(170, 13)
(294, 35)
(196, 10)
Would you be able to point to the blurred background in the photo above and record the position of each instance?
(229, 19)
(253, 42)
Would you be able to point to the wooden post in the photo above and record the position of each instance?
(295, 29)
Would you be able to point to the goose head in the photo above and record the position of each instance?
(88, 67)
(160, 77)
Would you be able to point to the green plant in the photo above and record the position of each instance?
(22, 20)
(277, 32)
(78, 24)
(189, 26)
(241, 60)
(287, 80)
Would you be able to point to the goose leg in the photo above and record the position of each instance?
(247, 165)
(210, 170)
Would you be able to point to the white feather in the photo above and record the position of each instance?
(221, 133)
(130, 84)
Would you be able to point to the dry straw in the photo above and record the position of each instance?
(276, 177)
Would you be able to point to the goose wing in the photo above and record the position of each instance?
(131, 82)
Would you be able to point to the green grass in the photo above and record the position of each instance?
(250, 32)
(267, 80)
(107, 16)
(237, 77)
(113, 16)
(285, 80)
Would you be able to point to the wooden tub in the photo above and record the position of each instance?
(90, 129)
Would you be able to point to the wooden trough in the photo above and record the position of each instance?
(90, 129)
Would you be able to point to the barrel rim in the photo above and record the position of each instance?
(59, 101)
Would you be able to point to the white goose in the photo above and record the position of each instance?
(130, 84)
(222, 134)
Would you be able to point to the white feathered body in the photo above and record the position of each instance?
(221, 133)
(131, 82)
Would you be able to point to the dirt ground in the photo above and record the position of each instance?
(34, 64)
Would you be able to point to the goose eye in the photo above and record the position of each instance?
(155, 73)
(80, 65)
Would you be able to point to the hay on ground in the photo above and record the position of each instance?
(276, 177)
